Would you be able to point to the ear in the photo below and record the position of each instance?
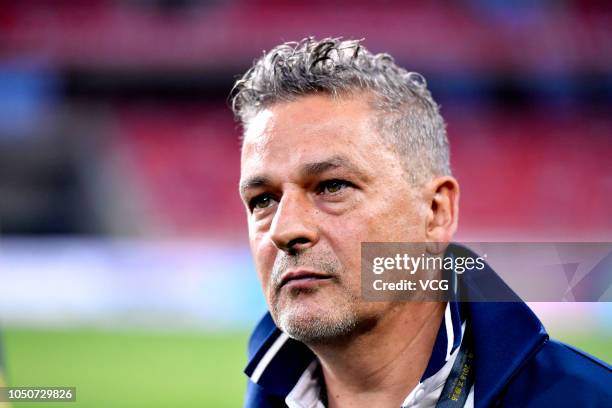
(443, 213)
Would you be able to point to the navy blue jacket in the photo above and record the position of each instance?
(516, 364)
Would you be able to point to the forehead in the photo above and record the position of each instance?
(308, 129)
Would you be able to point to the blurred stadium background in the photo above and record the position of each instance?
(124, 264)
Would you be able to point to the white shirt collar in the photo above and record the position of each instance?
(306, 392)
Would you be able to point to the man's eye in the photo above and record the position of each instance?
(332, 186)
(260, 202)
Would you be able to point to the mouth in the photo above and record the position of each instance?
(302, 279)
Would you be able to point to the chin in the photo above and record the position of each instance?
(316, 325)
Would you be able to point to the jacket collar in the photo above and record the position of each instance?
(276, 361)
(504, 335)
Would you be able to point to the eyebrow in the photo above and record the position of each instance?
(334, 162)
(307, 170)
(254, 182)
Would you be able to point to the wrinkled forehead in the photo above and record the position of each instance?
(258, 132)
(306, 130)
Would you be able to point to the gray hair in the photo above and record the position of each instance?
(408, 117)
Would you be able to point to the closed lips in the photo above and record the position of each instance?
(295, 275)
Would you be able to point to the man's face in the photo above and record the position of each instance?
(317, 181)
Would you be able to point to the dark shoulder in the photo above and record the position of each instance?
(574, 363)
(560, 375)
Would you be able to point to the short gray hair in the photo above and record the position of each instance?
(408, 117)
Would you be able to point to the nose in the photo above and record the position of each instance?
(294, 228)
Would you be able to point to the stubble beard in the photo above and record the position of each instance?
(300, 322)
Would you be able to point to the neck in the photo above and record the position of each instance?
(380, 367)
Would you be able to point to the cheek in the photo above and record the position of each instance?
(345, 241)
(397, 219)
(264, 254)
